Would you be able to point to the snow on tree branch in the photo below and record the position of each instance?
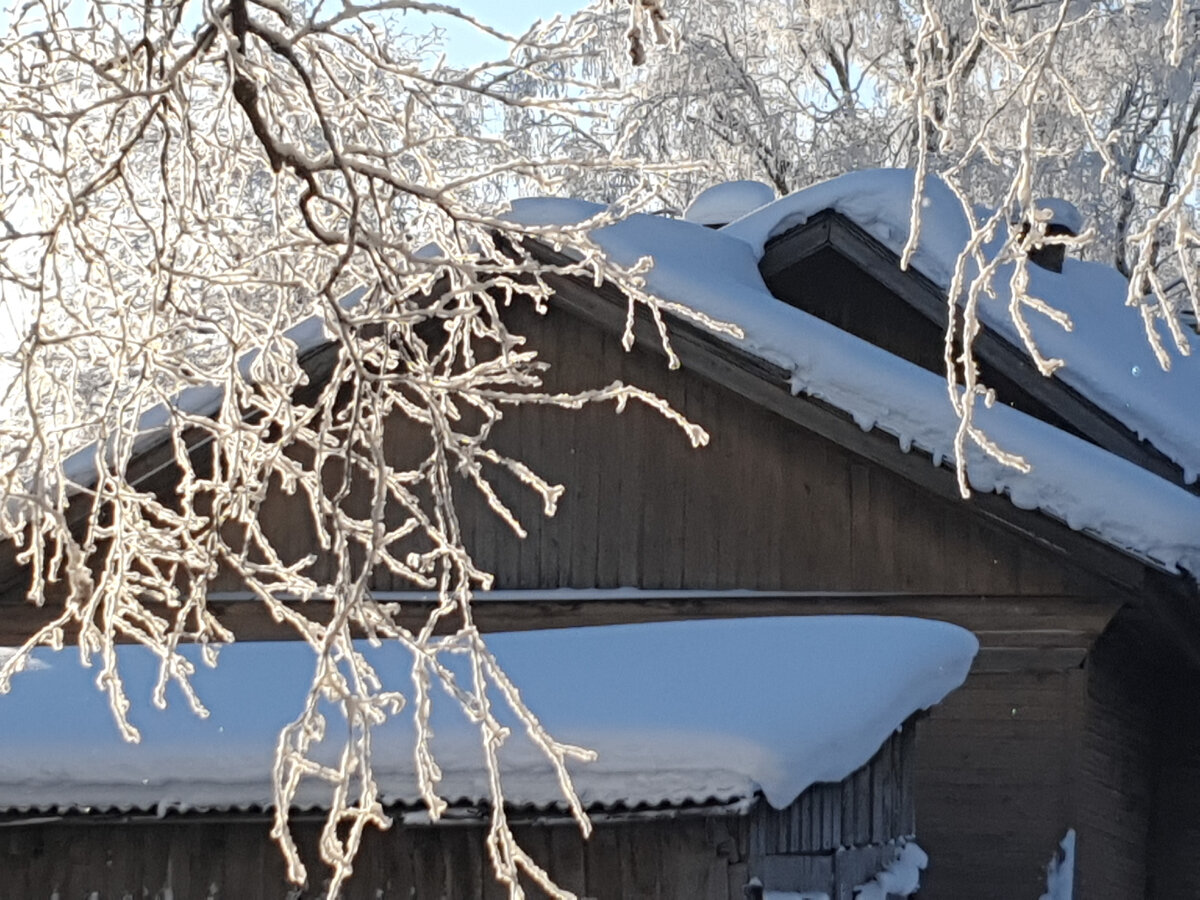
(1005, 100)
(195, 196)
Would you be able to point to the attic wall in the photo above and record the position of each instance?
(766, 505)
(840, 291)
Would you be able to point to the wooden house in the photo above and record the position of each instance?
(1079, 712)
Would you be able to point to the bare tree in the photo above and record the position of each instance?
(183, 182)
(187, 183)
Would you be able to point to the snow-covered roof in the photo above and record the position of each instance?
(678, 711)
(1060, 212)
(1107, 358)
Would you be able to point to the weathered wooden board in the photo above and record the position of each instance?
(190, 859)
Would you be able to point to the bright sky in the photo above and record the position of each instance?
(466, 45)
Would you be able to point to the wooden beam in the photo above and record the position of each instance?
(1031, 622)
(994, 660)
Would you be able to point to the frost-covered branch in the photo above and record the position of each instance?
(196, 196)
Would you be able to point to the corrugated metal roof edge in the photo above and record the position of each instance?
(462, 810)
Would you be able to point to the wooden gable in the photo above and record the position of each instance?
(790, 497)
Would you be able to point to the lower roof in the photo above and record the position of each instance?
(680, 713)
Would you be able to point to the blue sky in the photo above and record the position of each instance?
(466, 45)
(514, 16)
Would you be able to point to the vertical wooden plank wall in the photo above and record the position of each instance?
(766, 505)
(1119, 770)
(838, 836)
(994, 773)
(692, 858)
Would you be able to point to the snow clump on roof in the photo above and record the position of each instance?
(1063, 213)
(722, 203)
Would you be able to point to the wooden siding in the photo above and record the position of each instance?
(765, 505)
(872, 806)
(1134, 772)
(185, 859)
(995, 783)
(838, 836)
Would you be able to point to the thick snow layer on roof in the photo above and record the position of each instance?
(1086, 487)
(879, 200)
(677, 711)
(722, 203)
(1108, 359)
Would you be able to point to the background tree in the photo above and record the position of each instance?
(794, 91)
(1006, 100)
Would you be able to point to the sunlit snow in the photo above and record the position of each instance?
(729, 200)
(677, 711)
